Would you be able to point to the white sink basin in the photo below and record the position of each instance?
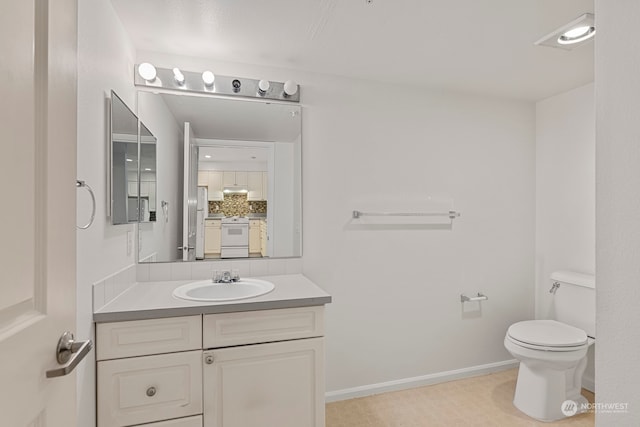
(206, 290)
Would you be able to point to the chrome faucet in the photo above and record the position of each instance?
(225, 277)
(554, 288)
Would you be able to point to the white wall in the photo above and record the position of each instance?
(162, 238)
(565, 193)
(396, 312)
(618, 209)
(105, 62)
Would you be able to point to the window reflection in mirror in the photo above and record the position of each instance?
(247, 168)
(124, 163)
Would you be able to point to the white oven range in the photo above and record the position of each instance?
(234, 242)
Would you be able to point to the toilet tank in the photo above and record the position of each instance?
(574, 302)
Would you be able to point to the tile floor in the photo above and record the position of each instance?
(484, 401)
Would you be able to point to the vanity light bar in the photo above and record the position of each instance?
(166, 78)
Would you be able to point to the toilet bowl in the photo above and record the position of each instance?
(553, 353)
(553, 357)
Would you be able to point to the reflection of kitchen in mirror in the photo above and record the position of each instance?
(243, 188)
(233, 204)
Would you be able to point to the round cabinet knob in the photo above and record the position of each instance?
(151, 391)
(208, 359)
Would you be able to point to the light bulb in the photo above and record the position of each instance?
(147, 71)
(576, 35)
(263, 87)
(178, 76)
(208, 78)
(290, 88)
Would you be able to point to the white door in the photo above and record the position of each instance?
(38, 215)
(190, 195)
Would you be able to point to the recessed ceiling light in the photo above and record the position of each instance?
(129, 160)
(147, 169)
(578, 34)
(207, 156)
(571, 35)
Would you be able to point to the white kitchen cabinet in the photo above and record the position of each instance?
(212, 236)
(265, 185)
(254, 236)
(254, 185)
(213, 181)
(263, 238)
(234, 178)
(277, 384)
(215, 187)
(203, 178)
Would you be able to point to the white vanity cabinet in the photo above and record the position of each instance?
(149, 371)
(276, 382)
(242, 369)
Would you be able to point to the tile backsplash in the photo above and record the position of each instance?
(237, 205)
(105, 290)
(200, 270)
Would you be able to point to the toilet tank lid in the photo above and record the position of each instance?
(573, 278)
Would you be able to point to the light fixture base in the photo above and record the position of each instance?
(224, 85)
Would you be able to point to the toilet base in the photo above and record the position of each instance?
(541, 390)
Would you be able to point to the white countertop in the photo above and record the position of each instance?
(150, 300)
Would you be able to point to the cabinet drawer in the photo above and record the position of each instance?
(152, 388)
(180, 422)
(143, 337)
(252, 327)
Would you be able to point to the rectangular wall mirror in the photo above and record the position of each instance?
(124, 163)
(228, 178)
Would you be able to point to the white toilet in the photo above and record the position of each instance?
(553, 353)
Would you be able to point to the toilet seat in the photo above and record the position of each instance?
(547, 335)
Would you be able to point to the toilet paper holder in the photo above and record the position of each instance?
(479, 297)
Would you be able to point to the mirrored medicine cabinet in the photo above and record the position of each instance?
(132, 166)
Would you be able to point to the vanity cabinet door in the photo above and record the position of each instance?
(140, 390)
(180, 422)
(267, 385)
(145, 337)
(261, 326)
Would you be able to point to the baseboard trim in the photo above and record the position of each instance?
(406, 383)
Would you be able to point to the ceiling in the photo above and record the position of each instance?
(476, 46)
(230, 119)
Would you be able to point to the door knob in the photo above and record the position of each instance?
(69, 353)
